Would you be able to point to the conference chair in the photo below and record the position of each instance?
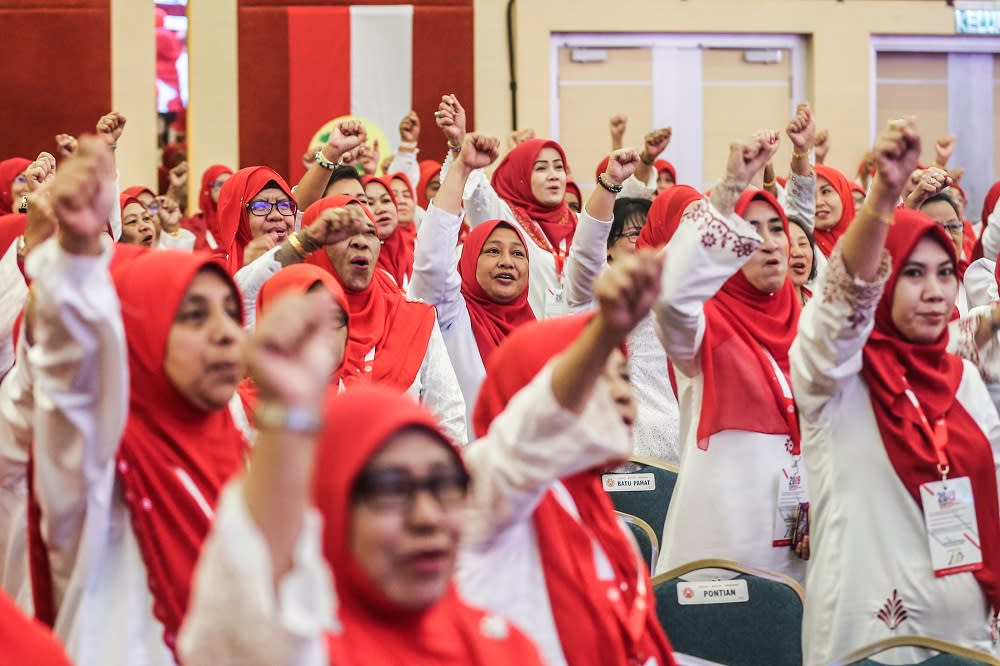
(949, 654)
(645, 536)
(648, 496)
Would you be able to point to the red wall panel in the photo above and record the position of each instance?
(55, 73)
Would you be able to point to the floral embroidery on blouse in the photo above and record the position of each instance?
(893, 613)
(861, 296)
(715, 231)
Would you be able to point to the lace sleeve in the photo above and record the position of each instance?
(833, 329)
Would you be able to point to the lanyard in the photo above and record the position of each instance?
(938, 434)
(786, 401)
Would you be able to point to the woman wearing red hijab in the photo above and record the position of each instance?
(391, 490)
(255, 208)
(728, 315)
(301, 279)
(834, 209)
(430, 182)
(396, 255)
(205, 224)
(886, 416)
(406, 206)
(528, 189)
(27, 641)
(547, 550)
(392, 341)
(136, 359)
(484, 297)
(13, 184)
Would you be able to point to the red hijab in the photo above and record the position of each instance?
(381, 318)
(396, 255)
(407, 231)
(989, 203)
(208, 219)
(233, 216)
(174, 457)
(741, 322)
(429, 170)
(9, 170)
(663, 165)
(548, 227)
(665, 215)
(589, 625)
(891, 365)
(491, 321)
(571, 186)
(26, 641)
(827, 238)
(376, 631)
(295, 279)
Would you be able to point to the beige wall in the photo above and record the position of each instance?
(133, 60)
(837, 70)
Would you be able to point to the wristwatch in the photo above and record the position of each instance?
(299, 420)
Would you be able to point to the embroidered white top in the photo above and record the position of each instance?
(870, 575)
(725, 499)
(981, 282)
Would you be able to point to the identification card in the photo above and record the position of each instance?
(952, 530)
(792, 493)
(555, 304)
(616, 483)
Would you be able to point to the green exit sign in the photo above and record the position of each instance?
(977, 21)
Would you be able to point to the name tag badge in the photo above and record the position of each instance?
(792, 493)
(952, 530)
(618, 483)
(555, 304)
(712, 592)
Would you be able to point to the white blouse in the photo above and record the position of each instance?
(726, 496)
(233, 586)
(184, 240)
(870, 576)
(981, 282)
(13, 294)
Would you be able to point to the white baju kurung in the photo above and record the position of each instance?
(980, 283)
(234, 587)
(870, 576)
(725, 500)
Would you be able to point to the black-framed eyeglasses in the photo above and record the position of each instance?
(954, 227)
(264, 208)
(393, 491)
(632, 235)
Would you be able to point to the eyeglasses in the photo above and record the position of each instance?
(395, 492)
(632, 235)
(264, 208)
(217, 185)
(21, 179)
(954, 227)
(153, 208)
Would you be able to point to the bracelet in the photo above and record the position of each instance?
(323, 162)
(298, 246)
(23, 207)
(887, 220)
(299, 420)
(453, 148)
(770, 183)
(407, 146)
(614, 189)
(646, 158)
(800, 156)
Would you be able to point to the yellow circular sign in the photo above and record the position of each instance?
(375, 136)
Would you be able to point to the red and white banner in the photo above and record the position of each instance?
(342, 61)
